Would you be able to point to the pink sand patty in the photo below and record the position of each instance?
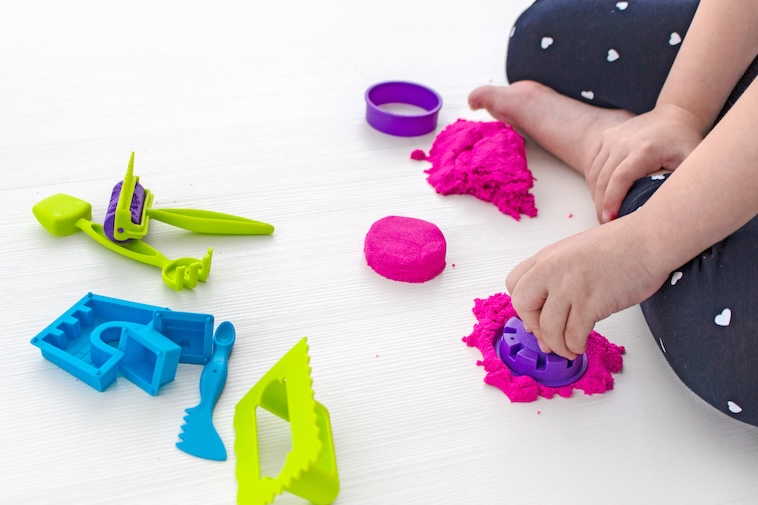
(483, 159)
(492, 313)
(405, 249)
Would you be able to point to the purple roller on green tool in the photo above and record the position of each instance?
(519, 350)
(130, 210)
(135, 208)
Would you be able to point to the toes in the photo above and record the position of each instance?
(481, 97)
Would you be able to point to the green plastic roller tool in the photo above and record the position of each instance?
(63, 215)
(130, 210)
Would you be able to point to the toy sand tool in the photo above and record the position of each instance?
(130, 211)
(520, 351)
(63, 215)
(199, 436)
(310, 469)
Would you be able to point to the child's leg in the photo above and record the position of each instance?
(609, 53)
(705, 320)
(565, 92)
(558, 57)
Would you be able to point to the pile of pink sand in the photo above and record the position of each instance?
(483, 159)
(604, 358)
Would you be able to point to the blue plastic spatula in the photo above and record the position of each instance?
(199, 436)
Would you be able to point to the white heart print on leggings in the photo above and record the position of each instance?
(733, 407)
(724, 318)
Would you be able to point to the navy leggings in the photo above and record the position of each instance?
(617, 54)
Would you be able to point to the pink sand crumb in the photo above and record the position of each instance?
(483, 159)
(604, 358)
(418, 155)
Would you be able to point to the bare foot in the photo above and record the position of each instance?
(567, 128)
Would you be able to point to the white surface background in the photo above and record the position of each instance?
(257, 109)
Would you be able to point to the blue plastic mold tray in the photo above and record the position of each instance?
(76, 343)
(191, 331)
(100, 336)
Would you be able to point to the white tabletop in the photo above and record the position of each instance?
(256, 108)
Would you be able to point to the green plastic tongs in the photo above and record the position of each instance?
(130, 210)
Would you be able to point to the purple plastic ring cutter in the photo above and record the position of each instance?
(518, 349)
(100, 336)
(404, 93)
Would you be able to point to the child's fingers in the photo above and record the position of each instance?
(612, 165)
(543, 347)
(483, 97)
(597, 165)
(553, 318)
(578, 327)
(527, 298)
(531, 322)
(518, 271)
(618, 186)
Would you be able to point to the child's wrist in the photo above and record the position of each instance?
(688, 116)
(660, 253)
(659, 248)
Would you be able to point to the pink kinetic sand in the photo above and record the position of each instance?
(405, 249)
(492, 313)
(483, 159)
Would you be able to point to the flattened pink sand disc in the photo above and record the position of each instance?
(405, 249)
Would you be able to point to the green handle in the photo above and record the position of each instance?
(136, 249)
(176, 273)
(210, 222)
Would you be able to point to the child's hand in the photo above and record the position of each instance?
(642, 145)
(563, 290)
